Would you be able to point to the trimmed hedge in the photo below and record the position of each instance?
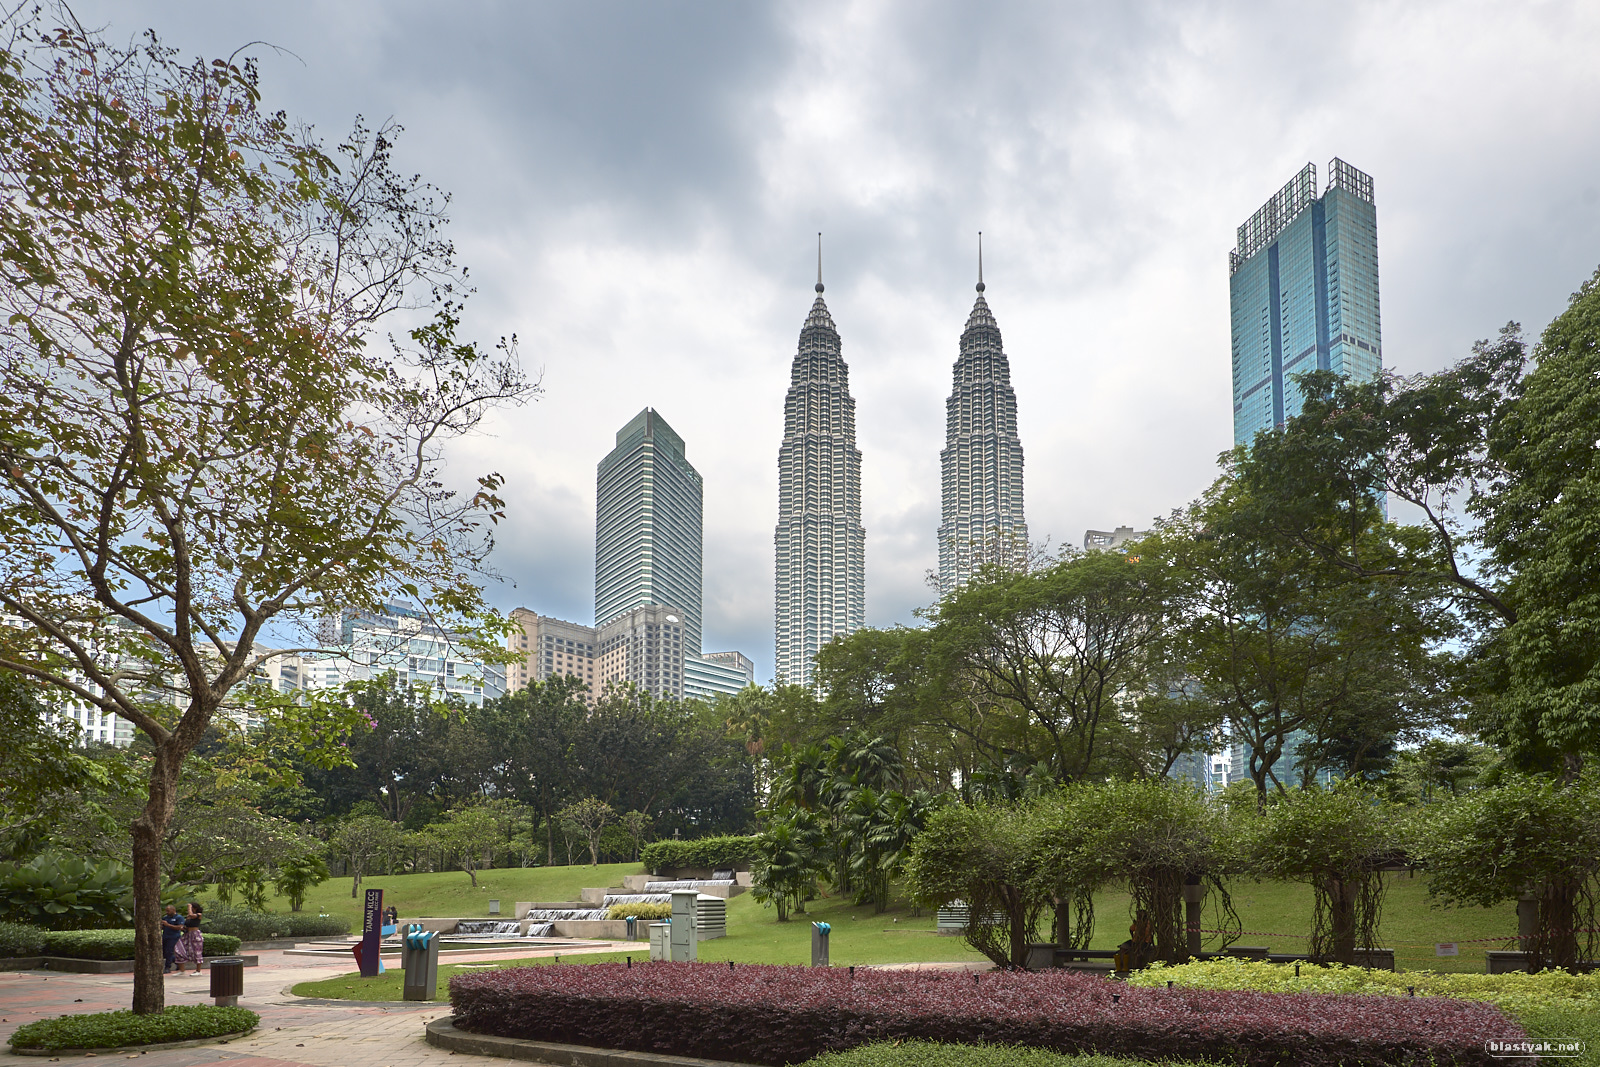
(781, 1015)
(708, 852)
(639, 911)
(18, 939)
(116, 944)
(116, 1029)
(247, 925)
(929, 1054)
(1516, 993)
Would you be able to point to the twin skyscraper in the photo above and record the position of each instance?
(820, 544)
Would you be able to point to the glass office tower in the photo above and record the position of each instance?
(647, 530)
(1304, 289)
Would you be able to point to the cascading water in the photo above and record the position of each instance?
(538, 930)
(636, 898)
(686, 883)
(491, 927)
(565, 914)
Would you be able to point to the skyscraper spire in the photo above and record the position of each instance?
(819, 544)
(981, 465)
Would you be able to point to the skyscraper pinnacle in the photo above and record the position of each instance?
(819, 262)
(980, 261)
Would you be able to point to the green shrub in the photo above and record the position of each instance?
(19, 940)
(115, 1029)
(117, 944)
(314, 926)
(248, 925)
(930, 1054)
(710, 853)
(1516, 993)
(655, 912)
(66, 893)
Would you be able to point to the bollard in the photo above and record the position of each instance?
(819, 944)
(419, 955)
(227, 980)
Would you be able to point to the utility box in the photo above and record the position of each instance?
(819, 944)
(683, 928)
(420, 958)
(660, 933)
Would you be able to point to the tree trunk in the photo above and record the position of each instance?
(1342, 915)
(149, 985)
(594, 851)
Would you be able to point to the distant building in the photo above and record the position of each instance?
(647, 530)
(1303, 284)
(1106, 540)
(646, 646)
(820, 547)
(981, 465)
(552, 648)
(360, 647)
(717, 674)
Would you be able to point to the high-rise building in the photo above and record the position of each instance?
(717, 674)
(646, 646)
(647, 527)
(402, 639)
(1106, 540)
(1304, 288)
(981, 465)
(552, 648)
(821, 547)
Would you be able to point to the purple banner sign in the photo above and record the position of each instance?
(371, 933)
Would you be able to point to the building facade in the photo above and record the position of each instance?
(647, 531)
(1303, 284)
(820, 545)
(361, 646)
(1106, 540)
(981, 517)
(717, 674)
(552, 648)
(646, 646)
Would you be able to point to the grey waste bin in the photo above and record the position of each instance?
(227, 980)
(419, 955)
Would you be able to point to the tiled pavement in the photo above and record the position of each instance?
(319, 1033)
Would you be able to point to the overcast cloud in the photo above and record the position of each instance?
(638, 188)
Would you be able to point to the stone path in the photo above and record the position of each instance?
(294, 1030)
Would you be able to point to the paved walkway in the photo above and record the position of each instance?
(294, 1030)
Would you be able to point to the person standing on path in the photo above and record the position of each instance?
(193, 940)
(171, 933)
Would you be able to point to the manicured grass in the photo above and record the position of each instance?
(1411, 925)
(1566, 1024)
(116, 1029)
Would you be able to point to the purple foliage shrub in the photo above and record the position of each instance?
(783, 1015)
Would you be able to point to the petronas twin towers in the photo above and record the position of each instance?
(820, 542)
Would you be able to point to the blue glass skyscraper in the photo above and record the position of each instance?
(1304, 289)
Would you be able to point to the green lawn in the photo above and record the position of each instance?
(450, 893)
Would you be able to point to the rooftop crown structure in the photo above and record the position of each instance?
(981, 465)
(820, 543)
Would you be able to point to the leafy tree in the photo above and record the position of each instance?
(299, 876)
(363, 839)
(636, 824)
(1339, 840)
(982, 855)
(538, 728)
(1524, 836)
(1052, 650)
(590, 815)
(789, 857)
(470, 832)
(196, 439)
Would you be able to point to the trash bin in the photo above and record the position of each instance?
(419, 955)
(227, 980)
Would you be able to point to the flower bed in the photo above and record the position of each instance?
(1513, 992)
(780, 1015)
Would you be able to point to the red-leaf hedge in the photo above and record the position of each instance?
(783, 1015)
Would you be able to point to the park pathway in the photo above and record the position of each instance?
(293, 1031)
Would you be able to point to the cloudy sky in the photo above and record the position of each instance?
(637, 189)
